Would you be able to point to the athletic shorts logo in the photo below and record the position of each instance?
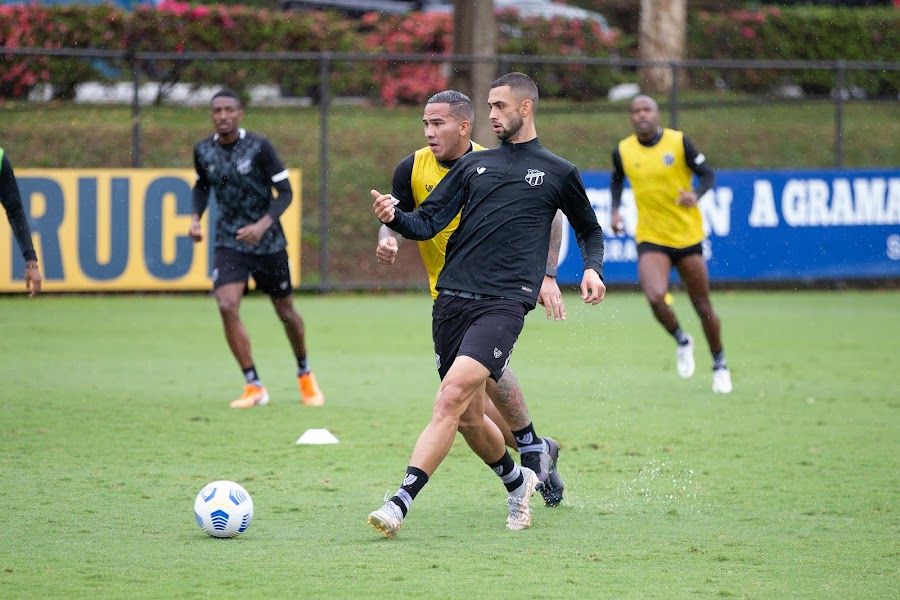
(668, 159)
(480, 170)
(534, 177)
(409, 479)
(243, 166)
(437, 360)
(497, 353)
(215, 274)
(283, 285)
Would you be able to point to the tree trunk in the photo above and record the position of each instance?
(661, 36)
(475, 34)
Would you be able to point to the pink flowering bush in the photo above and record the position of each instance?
(68, 26)
(180, 27)
(433, 34)
(420, 33)
(561, 37)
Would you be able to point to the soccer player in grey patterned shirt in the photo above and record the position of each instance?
(242, 167)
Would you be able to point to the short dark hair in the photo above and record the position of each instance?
(521, 85)
(648, 98)
(225, 93)
(461, 105)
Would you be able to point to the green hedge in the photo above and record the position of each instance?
(800, 33)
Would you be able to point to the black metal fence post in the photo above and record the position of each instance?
(135, 110)
(839, 113)
(324, 107)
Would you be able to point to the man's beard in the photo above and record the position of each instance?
(515, 124)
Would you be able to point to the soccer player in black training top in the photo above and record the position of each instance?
(496, 260)
(448, 118)
(15, 213)
(243, 167)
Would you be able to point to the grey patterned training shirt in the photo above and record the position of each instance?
(241, 175)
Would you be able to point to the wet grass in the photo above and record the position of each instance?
(115, 415)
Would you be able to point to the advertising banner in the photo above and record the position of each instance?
(769, 226)
(103, 230)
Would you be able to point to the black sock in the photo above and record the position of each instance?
(413, 483)
(251, 376)
(719, 360)
(527, 440)
(302, 366)
(679, 336)
(508, 471)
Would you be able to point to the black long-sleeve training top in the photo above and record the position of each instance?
(508, 196)
(15, 212)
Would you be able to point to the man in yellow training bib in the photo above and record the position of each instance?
(660, 164)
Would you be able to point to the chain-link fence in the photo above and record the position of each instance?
(733, 122)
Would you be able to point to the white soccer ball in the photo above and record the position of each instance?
(223, 509)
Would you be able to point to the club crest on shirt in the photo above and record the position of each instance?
(243, 166)
(668, 159)
(428, 187)
(534, 177)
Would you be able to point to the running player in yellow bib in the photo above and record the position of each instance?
(660, 164)
(448, 121)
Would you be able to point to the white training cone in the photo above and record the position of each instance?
(317, 436)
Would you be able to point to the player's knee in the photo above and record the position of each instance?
(656, 298)
(287, 314)
(229, 307)
(469, 424)
(451, 400)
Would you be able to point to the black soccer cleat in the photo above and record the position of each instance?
(544, 466)
(552, 490)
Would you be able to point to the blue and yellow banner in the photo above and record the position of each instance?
(770, 226)
(99, 230)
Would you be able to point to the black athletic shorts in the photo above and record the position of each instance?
(674, 254)
(485, 329)
(270, 271)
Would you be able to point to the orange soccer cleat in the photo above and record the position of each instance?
(254, 395)
(309, 390)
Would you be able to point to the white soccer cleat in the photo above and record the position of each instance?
(387, 519)
(519, 501)
(721, 381)
(684, 359)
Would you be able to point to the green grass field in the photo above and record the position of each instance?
(116, 414)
